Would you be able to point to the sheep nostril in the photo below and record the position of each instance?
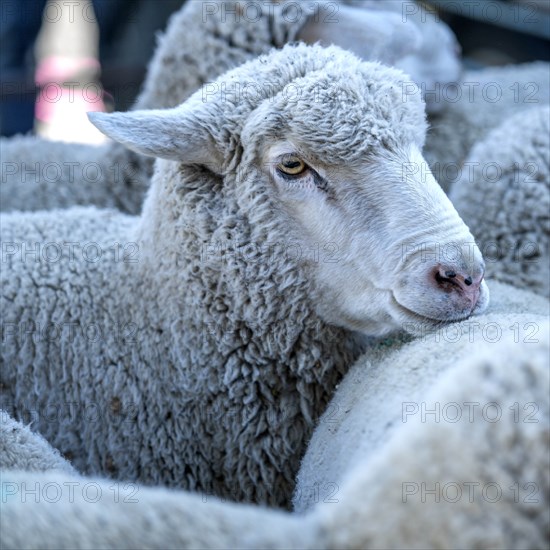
(446, 280)
(450, 279)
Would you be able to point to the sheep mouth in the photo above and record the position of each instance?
(432, 322)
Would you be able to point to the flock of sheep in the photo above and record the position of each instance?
(265, 289)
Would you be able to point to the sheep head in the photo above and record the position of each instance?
(332, 146)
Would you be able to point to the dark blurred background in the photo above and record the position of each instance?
(60, 58)
(498, 32)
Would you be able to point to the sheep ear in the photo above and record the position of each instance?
(173, 134)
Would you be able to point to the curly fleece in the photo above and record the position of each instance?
(206, 372)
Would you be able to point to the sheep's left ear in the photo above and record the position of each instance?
(174, 134)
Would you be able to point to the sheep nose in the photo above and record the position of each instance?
(450, 279)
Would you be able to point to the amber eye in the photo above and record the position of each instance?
(292, 165)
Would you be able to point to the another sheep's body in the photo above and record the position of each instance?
(504, 196)
(461, 478)
(22, 449)
(38, 174)
(389, 388)
(205, 39)
(481, 101)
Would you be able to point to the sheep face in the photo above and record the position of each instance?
(391, 250)
(345, 172)
(332, 146)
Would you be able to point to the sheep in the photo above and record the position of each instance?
(200, 341)
(196, 46)
(160, 518)
(509, 176)
(202, 42)
(482, 100)
(369, 456)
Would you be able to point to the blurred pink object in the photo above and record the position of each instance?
(68, 89)
(58, 68)
(55, 101)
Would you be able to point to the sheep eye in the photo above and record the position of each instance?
(291, 165)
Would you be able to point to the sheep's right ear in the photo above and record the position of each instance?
(174, 134)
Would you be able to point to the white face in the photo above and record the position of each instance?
(392, 250)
